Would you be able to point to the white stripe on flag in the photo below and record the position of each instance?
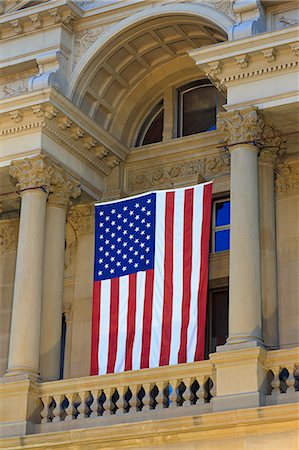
(139, 320)
(122, 323)
(158, 291)
(178, 237)
(195, 275)
(104, 327)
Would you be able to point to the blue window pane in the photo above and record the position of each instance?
(222, 213)
(221, 240)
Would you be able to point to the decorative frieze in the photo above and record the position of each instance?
(8, 235)
(203, 168)
(81, 217)
(287, 180)
(241, 126)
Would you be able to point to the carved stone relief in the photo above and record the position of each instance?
(83, 40)
(8, 235)
(81, 218)
(225, 6)
(287, 180)
(204, 167)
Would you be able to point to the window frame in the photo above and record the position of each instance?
(147, 122)
(218, 227)
(180, 91)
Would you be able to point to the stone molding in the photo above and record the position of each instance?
(63, 129)
(81, 218)
(8, 235)
(287, 180)
(203, 168)
(241, 126)
(258, 57)
(250, 17)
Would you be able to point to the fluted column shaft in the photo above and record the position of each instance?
(52, 297)
(25, 324)
(268, 248)
(245, 285)
(242, 128)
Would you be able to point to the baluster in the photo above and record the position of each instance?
(213, 390)
(276, 380)
(291, 378)
(160, 397)
(45, 411)
(94, 404)
(135, 388)
(173, 394)
(69, 410)
(57, 410)
(106, 402)
(81, 408)
(201, 390)
(121, 403)
(111, 403)
(147, 398)
(186, 395)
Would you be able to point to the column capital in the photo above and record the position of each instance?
(31, 173)
(62, 188)
(81, 217)
(270, 146)
(241, 125)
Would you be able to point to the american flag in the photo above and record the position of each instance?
(150, 279)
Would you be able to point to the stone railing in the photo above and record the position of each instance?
(283, 376)
(130, 395)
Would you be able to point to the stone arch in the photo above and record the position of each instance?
(122, 57)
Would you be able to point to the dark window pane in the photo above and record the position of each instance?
(155, 130)
(221, 240)
(199, 110)
(222, 214)
(219, 318)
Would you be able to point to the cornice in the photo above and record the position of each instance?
(41, 16)
(250, 58)
(62, 121)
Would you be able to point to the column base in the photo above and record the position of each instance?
(22, 373)
(237, 343)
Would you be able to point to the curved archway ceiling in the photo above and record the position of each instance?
(126, 61)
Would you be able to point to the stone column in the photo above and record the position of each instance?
(33, 175)
(267, 159)
(61, 189)
(243, 128)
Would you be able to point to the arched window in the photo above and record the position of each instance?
(198, 105)
(152, 128)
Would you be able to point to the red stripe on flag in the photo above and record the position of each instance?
(131, 315)
(168, 283)
(204, 268)
(113, 326)
(147, 319)
(95, 338)
(187, 269)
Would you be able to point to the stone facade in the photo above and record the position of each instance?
(77, 81)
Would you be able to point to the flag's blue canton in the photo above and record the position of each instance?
(125, 237)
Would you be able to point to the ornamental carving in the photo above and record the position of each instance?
(241, 126)
(32, 173)
(224, 6)
(287, 180)
(271, 146)
(84, 40)
(205, 167)
(62, 188)
(8, 235)
(81, 217)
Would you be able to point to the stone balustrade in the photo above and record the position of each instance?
(136, 395)
(283, 376)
